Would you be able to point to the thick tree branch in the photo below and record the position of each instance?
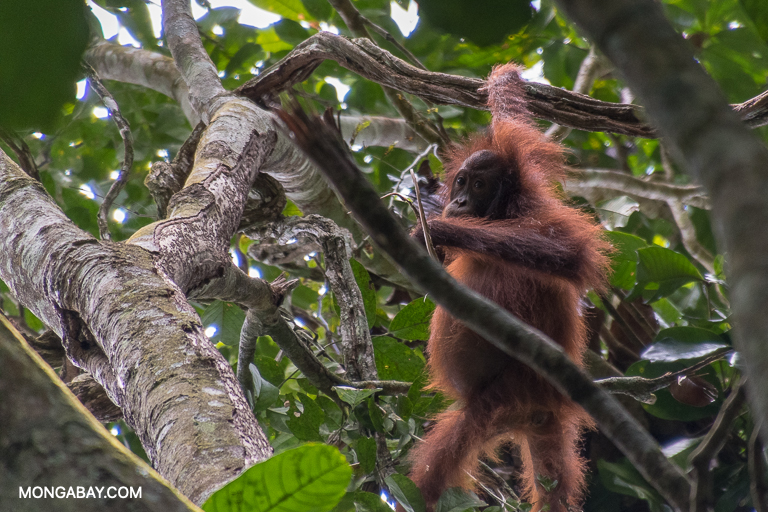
(543, 101)
(86, 291)
(197, 68)
(141, 67)
(53, 440)
(618, 181)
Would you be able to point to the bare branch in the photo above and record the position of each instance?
(125, 133)
(642, 389)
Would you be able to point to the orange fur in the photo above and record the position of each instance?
(537, 261)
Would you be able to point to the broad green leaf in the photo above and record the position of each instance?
(320, 10)
(228, 319)
(406, 493)
(365, 448)
(271, 42)
(43, 42)
(457, 499)
(623, 478)
(625, 246)
(624, 258)
(304, 297)
(665, 270)
(245, 57)
(369, 502)
(218, 16)
(354, 396)
(264, 393)
(376, 415)
(290, 31)
(677, 343)
(311, 478)
(270, 370)
(134, 16)
(306, 425)
(291, 9)
(616, 211)
(412, 322)
(395, 360)
(363, 280)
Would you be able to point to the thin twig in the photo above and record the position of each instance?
(641, 389)
(625, 327)
(389, 37)
(125, 133)
(423, 218)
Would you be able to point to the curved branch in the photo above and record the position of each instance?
(191, 59)
(544, 101)
(125, 133)
(693, 195)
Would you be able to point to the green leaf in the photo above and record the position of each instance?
(311, 478)
(245, 57)
(757, 10)
(43, 41)
(228, 319)
(306, 426)
(290, 31)
(218, 16)
(291, 9)
(406, 493)
(615, 212)
(271, 42)
(484, 23)
(623, 478)
(270, 370)
(354, 396)
(264, 393)
(625, 246)
(683, 343)
(365, 448)
(319, 9)
(303, 297)
(457, 499)
(376, 415)
(369, 502)
(32, 321)
(134, 16)
(412, 322)
(363, 280)
(665, 270)
(396, 361)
